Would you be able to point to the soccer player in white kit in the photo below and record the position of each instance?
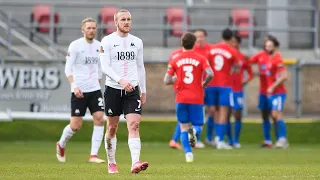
(84, 73)
(121, 56)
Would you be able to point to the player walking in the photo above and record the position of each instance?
(188, 67)
(121, 56)
(84, 74)
(203, 48)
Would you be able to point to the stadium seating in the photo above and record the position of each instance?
(105, 18)
(41, 16)
(240, 18)
(174, 19)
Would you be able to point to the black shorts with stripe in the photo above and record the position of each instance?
(119, 101)
(92, 100)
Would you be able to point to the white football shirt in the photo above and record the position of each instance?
(84, 65)
(122, 58)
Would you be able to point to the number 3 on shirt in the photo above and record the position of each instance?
(188, 79)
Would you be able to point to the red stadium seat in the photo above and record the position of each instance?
(105, 18)
(174, 18)
(240, 18)
(41, 16)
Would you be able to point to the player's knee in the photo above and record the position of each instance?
(237, 116)
(211, 111)
(276, 115)
(112, 128)
(98, 121)
(265, 115)
(76, 126)
(134, 125)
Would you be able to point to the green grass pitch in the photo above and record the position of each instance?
(27, 151)
(36, 160)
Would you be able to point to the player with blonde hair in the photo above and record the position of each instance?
(121, 56)
(84, 74)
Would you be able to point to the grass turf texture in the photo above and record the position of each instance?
(36, 160)
(151, 130)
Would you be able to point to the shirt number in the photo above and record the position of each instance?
(100, 103)
(188, 79)
(126, 55)
(218, 62)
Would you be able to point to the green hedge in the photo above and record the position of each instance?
(151, 131)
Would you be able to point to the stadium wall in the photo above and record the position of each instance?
(44, 88)
(161, 97)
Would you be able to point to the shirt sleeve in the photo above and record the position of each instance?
(141, 69)
(205, 64)
(106, 62)
(170, 70)
(99, 70)
(70, 59)
(235, 56)
(254, 58)
(248, 68)
(280, 66)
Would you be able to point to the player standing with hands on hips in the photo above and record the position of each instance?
(84, 74)
(121, 56)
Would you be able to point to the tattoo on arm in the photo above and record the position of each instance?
(209, 75)
(168, 79)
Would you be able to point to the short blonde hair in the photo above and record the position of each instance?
(119, 11)
(89, 19)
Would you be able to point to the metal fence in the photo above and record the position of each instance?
(158, 27)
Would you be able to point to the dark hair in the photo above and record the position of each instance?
(203, 31)
(187, 40)
(227, 34)
(274, 40)
(269, 36)
(238, 38)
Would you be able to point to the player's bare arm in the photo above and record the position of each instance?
(250, 75)
(168, 79)
(236, 68)
(283, 76)
(209, 75)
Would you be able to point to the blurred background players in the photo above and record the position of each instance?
(223, 58)
(261, 58)
(203, 48)
(277, 74)
(188, 67)
(239, 80)
(84, 74)
(272, 96)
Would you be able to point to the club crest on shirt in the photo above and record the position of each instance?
(68, 54)
(101, 49)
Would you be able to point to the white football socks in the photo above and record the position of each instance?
(96, 140)
(135, 148)
(111, 146)
(66, 135)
